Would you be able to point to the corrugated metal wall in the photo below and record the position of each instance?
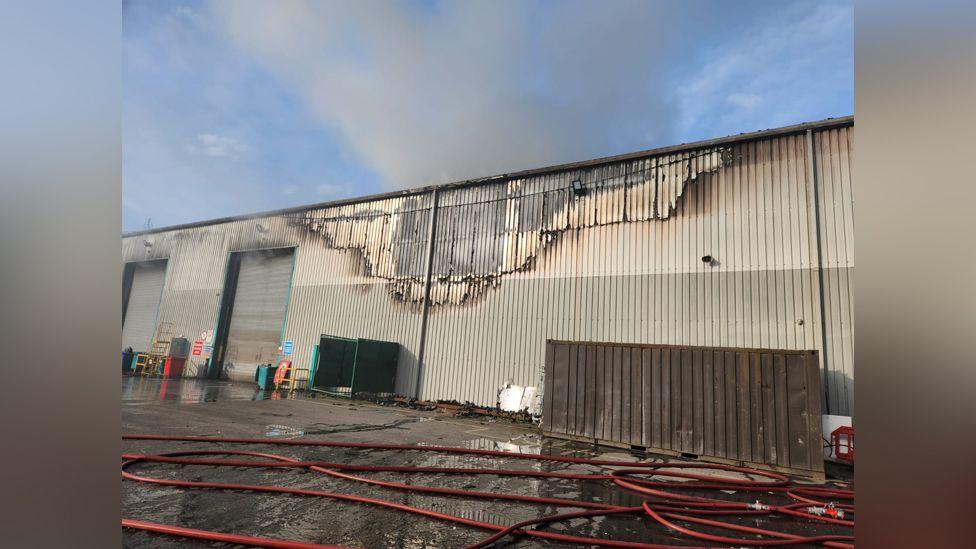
(524, 260)
(834, 158)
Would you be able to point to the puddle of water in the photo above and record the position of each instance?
(510, 446)
(418, 532)
(283, 431)
(145, 390)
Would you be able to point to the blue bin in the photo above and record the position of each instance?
(266, 377)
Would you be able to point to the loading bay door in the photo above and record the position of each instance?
(144, 281)
(258, 311)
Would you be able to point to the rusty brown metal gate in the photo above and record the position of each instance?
(759, 407)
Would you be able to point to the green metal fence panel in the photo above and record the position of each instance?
(347, 367)
(376, 366)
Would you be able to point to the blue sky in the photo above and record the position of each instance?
(239, 106)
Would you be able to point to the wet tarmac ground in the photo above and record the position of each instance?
(215, 408)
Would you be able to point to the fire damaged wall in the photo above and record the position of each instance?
(522, 259)
(488, 232)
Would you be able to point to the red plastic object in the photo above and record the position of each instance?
(173, 367)
(842, 439)
(283, 367)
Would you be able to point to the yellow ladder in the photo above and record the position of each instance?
(294, 381)
(142, 366)
(291, 378)
(158, 350)
(160, 343)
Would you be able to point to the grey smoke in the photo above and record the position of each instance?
(425, 93)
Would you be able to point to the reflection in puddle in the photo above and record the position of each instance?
(283, 431)
(510, 446)
(146, 390)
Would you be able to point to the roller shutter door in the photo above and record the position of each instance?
(254, 333)
(139, 324)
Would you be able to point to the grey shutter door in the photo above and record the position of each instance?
(139, 325)
(256, 319)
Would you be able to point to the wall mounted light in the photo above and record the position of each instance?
(578, 189)
(147, 243)
(261, 228)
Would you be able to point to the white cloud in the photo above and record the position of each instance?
(744, 100)
(215, 145)
(799, 59)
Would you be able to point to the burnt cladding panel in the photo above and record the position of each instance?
(410, 238)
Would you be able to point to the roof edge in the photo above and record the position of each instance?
(738, 138)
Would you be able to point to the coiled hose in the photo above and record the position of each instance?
(665, 504)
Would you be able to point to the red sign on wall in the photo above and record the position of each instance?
(197, 347)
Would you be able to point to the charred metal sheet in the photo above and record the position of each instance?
(485, 233)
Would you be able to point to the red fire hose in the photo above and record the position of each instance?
(665, 506)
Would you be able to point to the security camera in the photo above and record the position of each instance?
(706, 259)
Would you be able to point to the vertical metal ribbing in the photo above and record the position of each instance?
(812, 176)
(421, 344)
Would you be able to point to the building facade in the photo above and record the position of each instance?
(743, 242)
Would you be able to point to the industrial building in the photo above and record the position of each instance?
(742, 242)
